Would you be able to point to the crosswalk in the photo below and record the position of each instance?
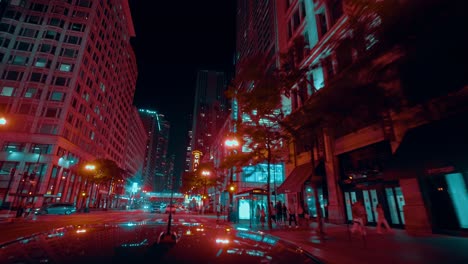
(179, 220)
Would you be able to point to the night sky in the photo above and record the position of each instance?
(173, 40)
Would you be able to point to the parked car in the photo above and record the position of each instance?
(156, 208)
(171, 208)
(57, 208)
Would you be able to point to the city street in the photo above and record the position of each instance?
(338, 246)
(20, 227)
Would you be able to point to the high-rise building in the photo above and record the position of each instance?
(255, 36)
(188, 153)
(136, 147)
(210, 109)
(155, 174)
(67, 81)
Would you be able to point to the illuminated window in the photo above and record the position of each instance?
(57, 96)
(41, 62)
(7, 91)
(50, 34)
(65, 67)
(40, 148)
(13, 147)
(20, 60)
(32, 93)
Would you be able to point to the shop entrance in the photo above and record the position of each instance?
(391, 199)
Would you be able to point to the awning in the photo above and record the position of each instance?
(434, 148)
(296, 179)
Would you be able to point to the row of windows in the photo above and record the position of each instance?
(39, 77)
(21, 147)
(34, 93)
(40, 63)
(45, 47)
(50, 34)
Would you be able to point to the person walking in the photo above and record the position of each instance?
(292, 215)
(257, 213)
(284, 210)
(262, 216)
(279, 212)
(381, 220)
(273, 212)
(359, 214)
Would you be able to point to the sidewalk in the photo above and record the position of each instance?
(339, 246)
(7, 216)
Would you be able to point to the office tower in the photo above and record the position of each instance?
(67, 81)
(155, 168)
(210, 109)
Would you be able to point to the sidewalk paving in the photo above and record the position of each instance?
(340, 246)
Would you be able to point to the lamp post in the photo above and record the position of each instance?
(205, 175)
(231, 144)
(90, 168)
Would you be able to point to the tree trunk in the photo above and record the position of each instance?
(270, 224)
(318, 208)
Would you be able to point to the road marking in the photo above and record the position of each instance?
(181, 220)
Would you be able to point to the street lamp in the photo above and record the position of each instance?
(231, 144)
(205, 175)
(3, 121)
(90, 168)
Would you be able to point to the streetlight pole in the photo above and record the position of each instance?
(231, 144)
(205, 175)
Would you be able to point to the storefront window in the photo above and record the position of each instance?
(458, 193)
(392, 206)
(310, 202)
(259, 173)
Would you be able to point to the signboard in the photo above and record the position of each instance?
(196, 159)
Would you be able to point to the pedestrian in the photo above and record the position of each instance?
(257, 213)
(300, 214)
(381, 220)
(292, 215)
(262, 216)
(359, 218)
(272, 212)
(279, 212)
(284, 210)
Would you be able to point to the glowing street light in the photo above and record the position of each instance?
(231, 143)
(3, 121)
(90, 167)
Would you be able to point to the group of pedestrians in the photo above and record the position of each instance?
(360, 219)
(280, 214)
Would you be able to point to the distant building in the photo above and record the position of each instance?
(136, 147)
(210, 109)
(188, 153)
(155, 172)
(67, 81)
